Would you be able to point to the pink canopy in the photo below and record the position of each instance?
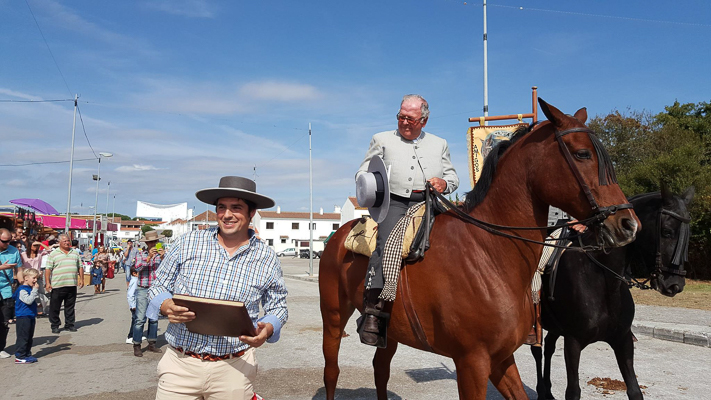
(58, 222)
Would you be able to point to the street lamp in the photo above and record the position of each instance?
(97, 178)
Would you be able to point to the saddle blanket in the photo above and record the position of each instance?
(361, 239)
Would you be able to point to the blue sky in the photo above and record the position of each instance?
(183, 92)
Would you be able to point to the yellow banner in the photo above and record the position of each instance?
(480, 141)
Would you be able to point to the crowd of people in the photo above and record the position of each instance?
(40, 274)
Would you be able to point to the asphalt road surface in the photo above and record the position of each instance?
(96, 363)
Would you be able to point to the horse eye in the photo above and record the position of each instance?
(583, 154)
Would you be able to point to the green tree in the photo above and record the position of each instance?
(673, 146)
(146, 228)
(167, 233)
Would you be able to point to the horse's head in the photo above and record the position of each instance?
(664, 243)
(574, 173)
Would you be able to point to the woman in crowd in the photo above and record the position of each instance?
(103, 257)
(32, 258)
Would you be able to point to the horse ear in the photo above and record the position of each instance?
(667, 195)
(554, 115)
(688, 195)
(581, 115)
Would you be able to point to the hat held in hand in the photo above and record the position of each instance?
(373, 189)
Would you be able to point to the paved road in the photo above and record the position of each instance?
(96, 363)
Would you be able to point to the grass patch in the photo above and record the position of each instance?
(696, 294)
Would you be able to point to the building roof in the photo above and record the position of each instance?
(297, 215)
(354, 201)
(211, 216)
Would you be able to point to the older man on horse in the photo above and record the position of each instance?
(413, 157)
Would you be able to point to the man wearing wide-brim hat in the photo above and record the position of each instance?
(147, 263)
(224, 263)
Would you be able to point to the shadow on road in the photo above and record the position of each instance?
(431, 374)
(353, 394)
(87, 322)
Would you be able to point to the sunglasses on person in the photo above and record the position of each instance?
(410, 120)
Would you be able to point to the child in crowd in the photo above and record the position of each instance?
(97, 275)
(131, 297)
(26, 314)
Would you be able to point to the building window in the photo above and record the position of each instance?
(270, 242)
(335, 226)
(313, 226)
(294, 225)
(270, 225)
(283, 240)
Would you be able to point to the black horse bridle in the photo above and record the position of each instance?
(681, 252)
(606, 176)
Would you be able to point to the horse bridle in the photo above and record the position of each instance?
(605, 170)
(606, 176)
(681, 252)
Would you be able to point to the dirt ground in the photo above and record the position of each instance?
(696, 294)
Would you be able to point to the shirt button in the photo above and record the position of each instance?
(413, 157)
(407, 190)
(412, 167)
(409, 179)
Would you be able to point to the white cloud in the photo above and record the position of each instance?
(16, 183)
(186, 8)
(280, 91)
(135, 168)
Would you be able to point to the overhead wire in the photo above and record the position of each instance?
(44, 162)
(48, 48)
(659, 21)
(84, 129)
(32, 101)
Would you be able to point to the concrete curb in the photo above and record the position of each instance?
(681, 333)
(303, 277)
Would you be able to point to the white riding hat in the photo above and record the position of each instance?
(373, 189)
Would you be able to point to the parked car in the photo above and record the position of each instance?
(304, 253)
(291, 251)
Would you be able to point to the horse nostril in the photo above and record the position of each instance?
(629, 225)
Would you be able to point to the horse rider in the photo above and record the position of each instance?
(412, 157)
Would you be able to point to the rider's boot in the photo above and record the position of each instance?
(373, 325)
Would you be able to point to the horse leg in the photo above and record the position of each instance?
(572, 363)
(507, 380)
(334, 322)
(473, 371)
(381, 368)
(548, 350)
(624, 353)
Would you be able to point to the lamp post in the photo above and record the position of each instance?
(97, 178)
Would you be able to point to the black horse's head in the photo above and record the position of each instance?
(663, 243)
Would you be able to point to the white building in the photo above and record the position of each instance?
(351, 210)
(283, 230)
(179, 226)
(163, 212)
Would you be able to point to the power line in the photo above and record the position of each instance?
(44, 162)
(85, 135)
(32, 101)
(602, 15)
(47, 44)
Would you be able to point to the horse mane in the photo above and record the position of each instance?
(476, 196)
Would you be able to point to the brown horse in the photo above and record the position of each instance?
(472, 292)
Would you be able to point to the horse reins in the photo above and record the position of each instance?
(681, 252)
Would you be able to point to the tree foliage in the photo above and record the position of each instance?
(146, 228)
(167, 233)
(673, 146)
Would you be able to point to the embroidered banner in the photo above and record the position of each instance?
(480, 141)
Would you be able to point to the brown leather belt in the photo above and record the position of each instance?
(209, 357)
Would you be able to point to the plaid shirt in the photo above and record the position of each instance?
(146, 269)
(197, 265)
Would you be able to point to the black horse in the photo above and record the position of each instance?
(592, 304)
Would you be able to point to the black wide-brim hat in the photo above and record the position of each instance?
(373, 189)
(235, 186)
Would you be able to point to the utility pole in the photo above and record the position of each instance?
(486, 72)
(311, 211)
(67, 222)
